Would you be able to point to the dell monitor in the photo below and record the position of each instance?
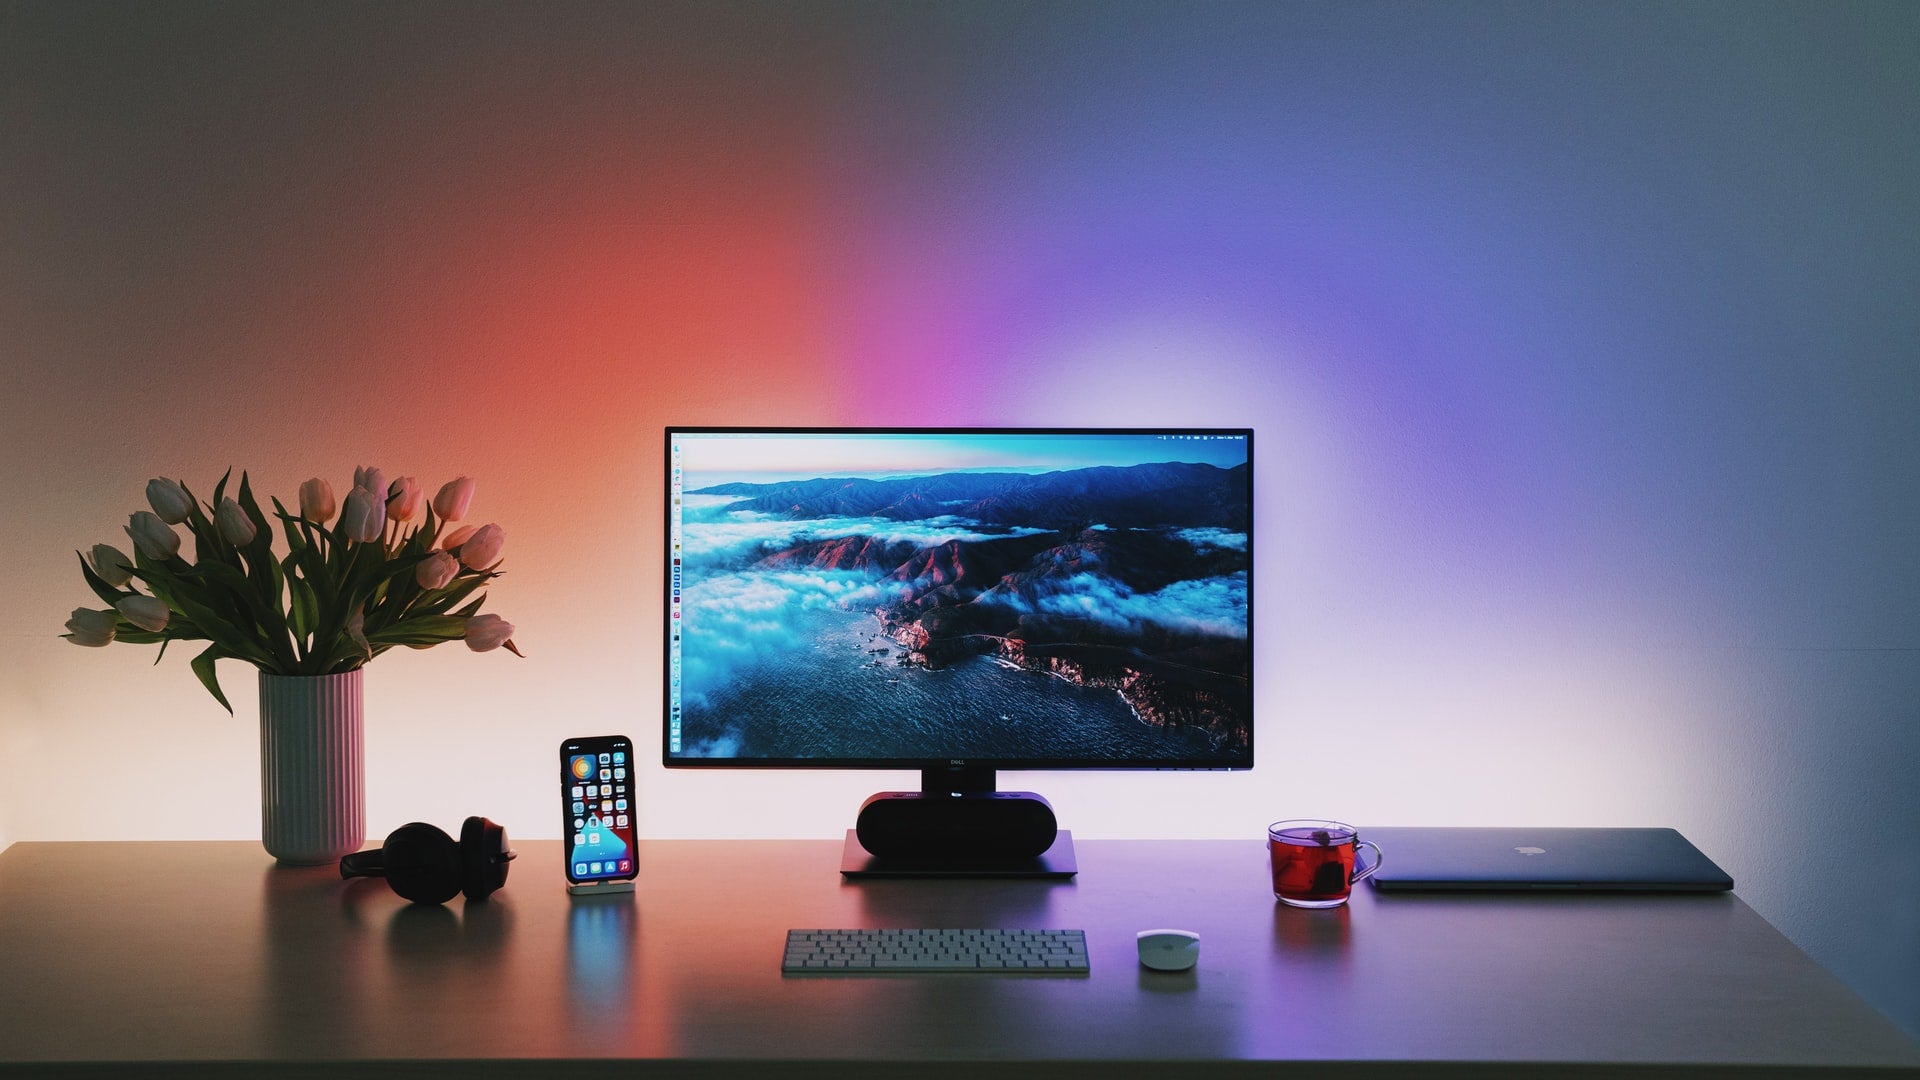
(960, 603)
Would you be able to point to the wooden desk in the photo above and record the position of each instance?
(178, 957)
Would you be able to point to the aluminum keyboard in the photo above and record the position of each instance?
(831, 952)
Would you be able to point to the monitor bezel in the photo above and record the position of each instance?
(985, 765)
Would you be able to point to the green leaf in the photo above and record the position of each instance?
(252, 603)
(357, 635)
(206, 539)
(224, 590)
(334, 587)
(262, 530)
(158, 579)
(193, 600)
(345, 655)
(261, 564)
(397, 590)
(457, 590)
(203, 668)
(303, 608)
(422, 630)
(276, 591)
(228, 576)
(294, 527)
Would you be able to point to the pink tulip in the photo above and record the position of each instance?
(92, 628)
(483, 548)
(488, 632)
(362, 516)
(436, 570)
(453, 540)
(169, 500)
(372, 479)
(453, 499)
(316, 501)
(403, 499)
(235, 526)
(153, 537)
(112, 565)
(145, 612)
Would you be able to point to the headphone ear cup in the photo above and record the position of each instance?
(483, 857)
(422, 863)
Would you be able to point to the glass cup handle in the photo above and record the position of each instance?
(1368, 872)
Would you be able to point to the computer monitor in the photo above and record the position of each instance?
(959, 602)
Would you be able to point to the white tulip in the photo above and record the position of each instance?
(169, 500)
(154, 537)
(91, 628)
(436, 570)
(403, 499)
(362, 515)
(145, 612)
(112, 565)
(483, 548)
(453, 499)
(488, 632)
(316, 501)
(235, 526)
(374, 480)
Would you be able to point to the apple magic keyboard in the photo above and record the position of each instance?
(856, 951)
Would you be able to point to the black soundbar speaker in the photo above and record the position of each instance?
(975, 826)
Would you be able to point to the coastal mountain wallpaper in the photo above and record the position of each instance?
(1087, 612)
(1578, 341)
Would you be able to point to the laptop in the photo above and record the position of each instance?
(1580, 860)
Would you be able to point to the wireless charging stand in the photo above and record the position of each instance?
(598, 888)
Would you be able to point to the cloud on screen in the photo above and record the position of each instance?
(1205, 539)
(1215, 606)
(712, 533)
(730, 622)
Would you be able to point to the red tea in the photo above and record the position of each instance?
(1311, 865)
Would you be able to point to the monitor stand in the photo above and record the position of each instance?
(957, 825)
(1055, 864)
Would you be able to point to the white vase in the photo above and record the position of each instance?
(312, 765)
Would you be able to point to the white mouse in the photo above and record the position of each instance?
(1168, 950)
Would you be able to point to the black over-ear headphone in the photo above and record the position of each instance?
(424, 865)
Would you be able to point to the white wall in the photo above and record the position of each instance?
(1578, 341)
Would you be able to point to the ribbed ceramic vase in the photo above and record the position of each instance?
(312, 764)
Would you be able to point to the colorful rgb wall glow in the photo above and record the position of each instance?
(1578, 340)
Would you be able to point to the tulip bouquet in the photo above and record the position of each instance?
(394, 569)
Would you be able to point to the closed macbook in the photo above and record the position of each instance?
(1590, 859)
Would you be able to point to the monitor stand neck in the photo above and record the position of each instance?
(956, 780)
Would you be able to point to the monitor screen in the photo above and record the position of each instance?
(913, 598)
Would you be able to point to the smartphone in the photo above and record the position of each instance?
(596, 809)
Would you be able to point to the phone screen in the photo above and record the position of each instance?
(596, 805)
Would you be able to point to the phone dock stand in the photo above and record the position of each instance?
(598, 888)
